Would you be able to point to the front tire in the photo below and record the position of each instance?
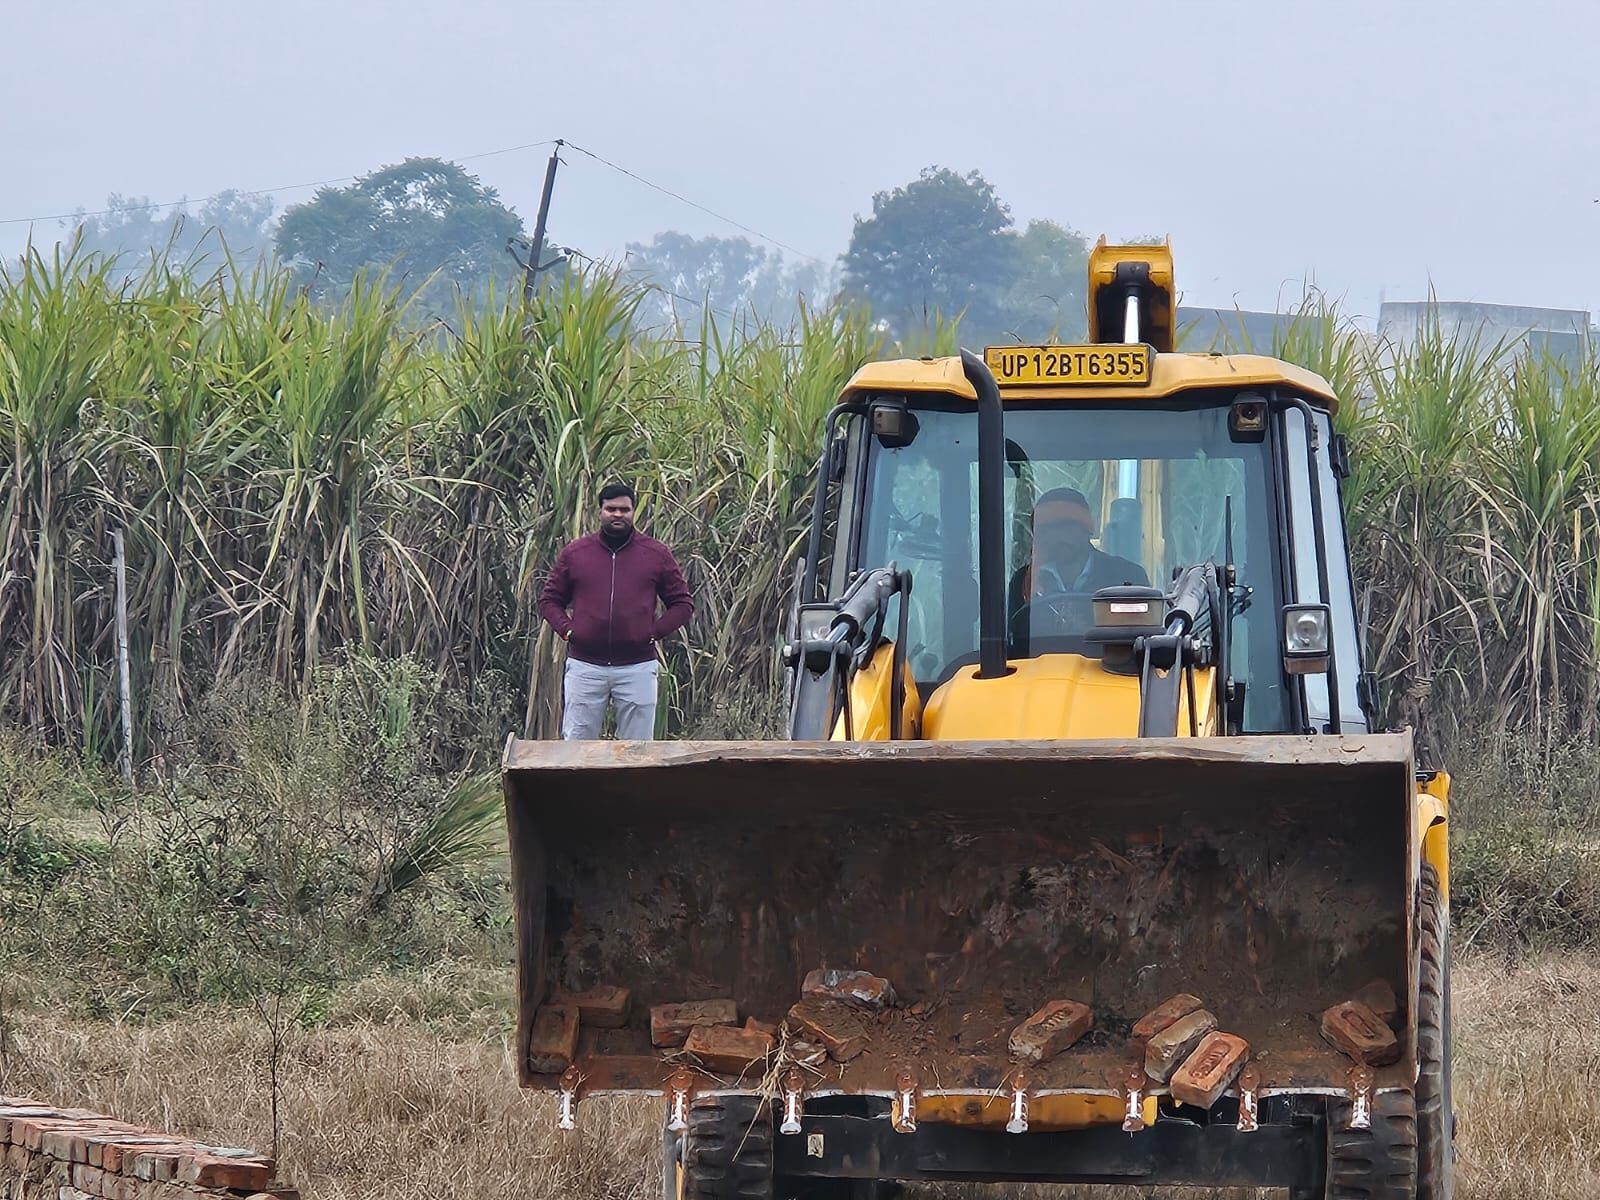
(1378, 1163)
(727, 1149)
(1435, 1117)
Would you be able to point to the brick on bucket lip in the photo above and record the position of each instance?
(1206, 1073)
(1169, 1012)
(1173, 1044)
(1049, 1031)
(1356, 1030)
(727, 1049)
(670, 1024)
(841, 1027)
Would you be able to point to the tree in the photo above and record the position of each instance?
(132, 229)
(945, 242)
(938, 243)
(421, 217)
(1047, 298)
(728, 275)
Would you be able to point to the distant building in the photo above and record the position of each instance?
(1563, 333)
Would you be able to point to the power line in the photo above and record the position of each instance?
(293, 187)
(287, 187)
(666, 191)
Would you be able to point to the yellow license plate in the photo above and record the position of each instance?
(1127, 366)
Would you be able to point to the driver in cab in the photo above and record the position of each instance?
(1051, 595)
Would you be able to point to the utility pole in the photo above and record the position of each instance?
(536, 252)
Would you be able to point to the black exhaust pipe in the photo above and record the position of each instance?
(991, 518)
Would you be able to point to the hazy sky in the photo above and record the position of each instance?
(1371, 146)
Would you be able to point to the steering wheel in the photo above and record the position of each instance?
(1068, 617)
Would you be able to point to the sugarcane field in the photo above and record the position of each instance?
(582, 619)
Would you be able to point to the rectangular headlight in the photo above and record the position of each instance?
(1305, 639)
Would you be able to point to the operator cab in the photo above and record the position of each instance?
(1122, 465)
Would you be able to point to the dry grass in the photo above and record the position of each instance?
(407, 1092)
(1527, 1073)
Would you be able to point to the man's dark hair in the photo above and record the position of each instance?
(612, 491)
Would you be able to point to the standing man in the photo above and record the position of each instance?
(600, 599)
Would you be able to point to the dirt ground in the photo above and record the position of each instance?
(403, 1088)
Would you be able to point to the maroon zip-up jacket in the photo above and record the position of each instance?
(612, 597)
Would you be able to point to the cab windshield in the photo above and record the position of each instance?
(1094, 498)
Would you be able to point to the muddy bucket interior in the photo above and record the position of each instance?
(1267, 876)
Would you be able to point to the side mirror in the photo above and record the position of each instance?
(1339, 456)
(1306, 638)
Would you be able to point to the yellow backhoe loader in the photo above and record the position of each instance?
(1083, 859)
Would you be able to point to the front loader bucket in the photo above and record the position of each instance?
(1270, 876)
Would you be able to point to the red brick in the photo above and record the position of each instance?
(31, 1131)
(599, 1007)
(1359, 1032)
(861, 988)
(1172, 1045)
(1380, 998)
(218, 1171)
(1051, 1030)
(671, 1023)
(87, 1178)
(554, 1041)
(842, 1028)
(12, 1112)
(117, 1156)
(1170, 1011)
(156, 1165)
(766, 1027)
(71, 1143)
(57, 1142)
(1206, 1073)
(723, 1048)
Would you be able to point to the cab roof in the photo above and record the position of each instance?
(1170, 375)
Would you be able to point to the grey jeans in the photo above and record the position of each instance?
(588, 689)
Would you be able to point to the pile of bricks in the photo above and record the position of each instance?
(834, 1018)
(1184, 1049)
(51, 1153)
